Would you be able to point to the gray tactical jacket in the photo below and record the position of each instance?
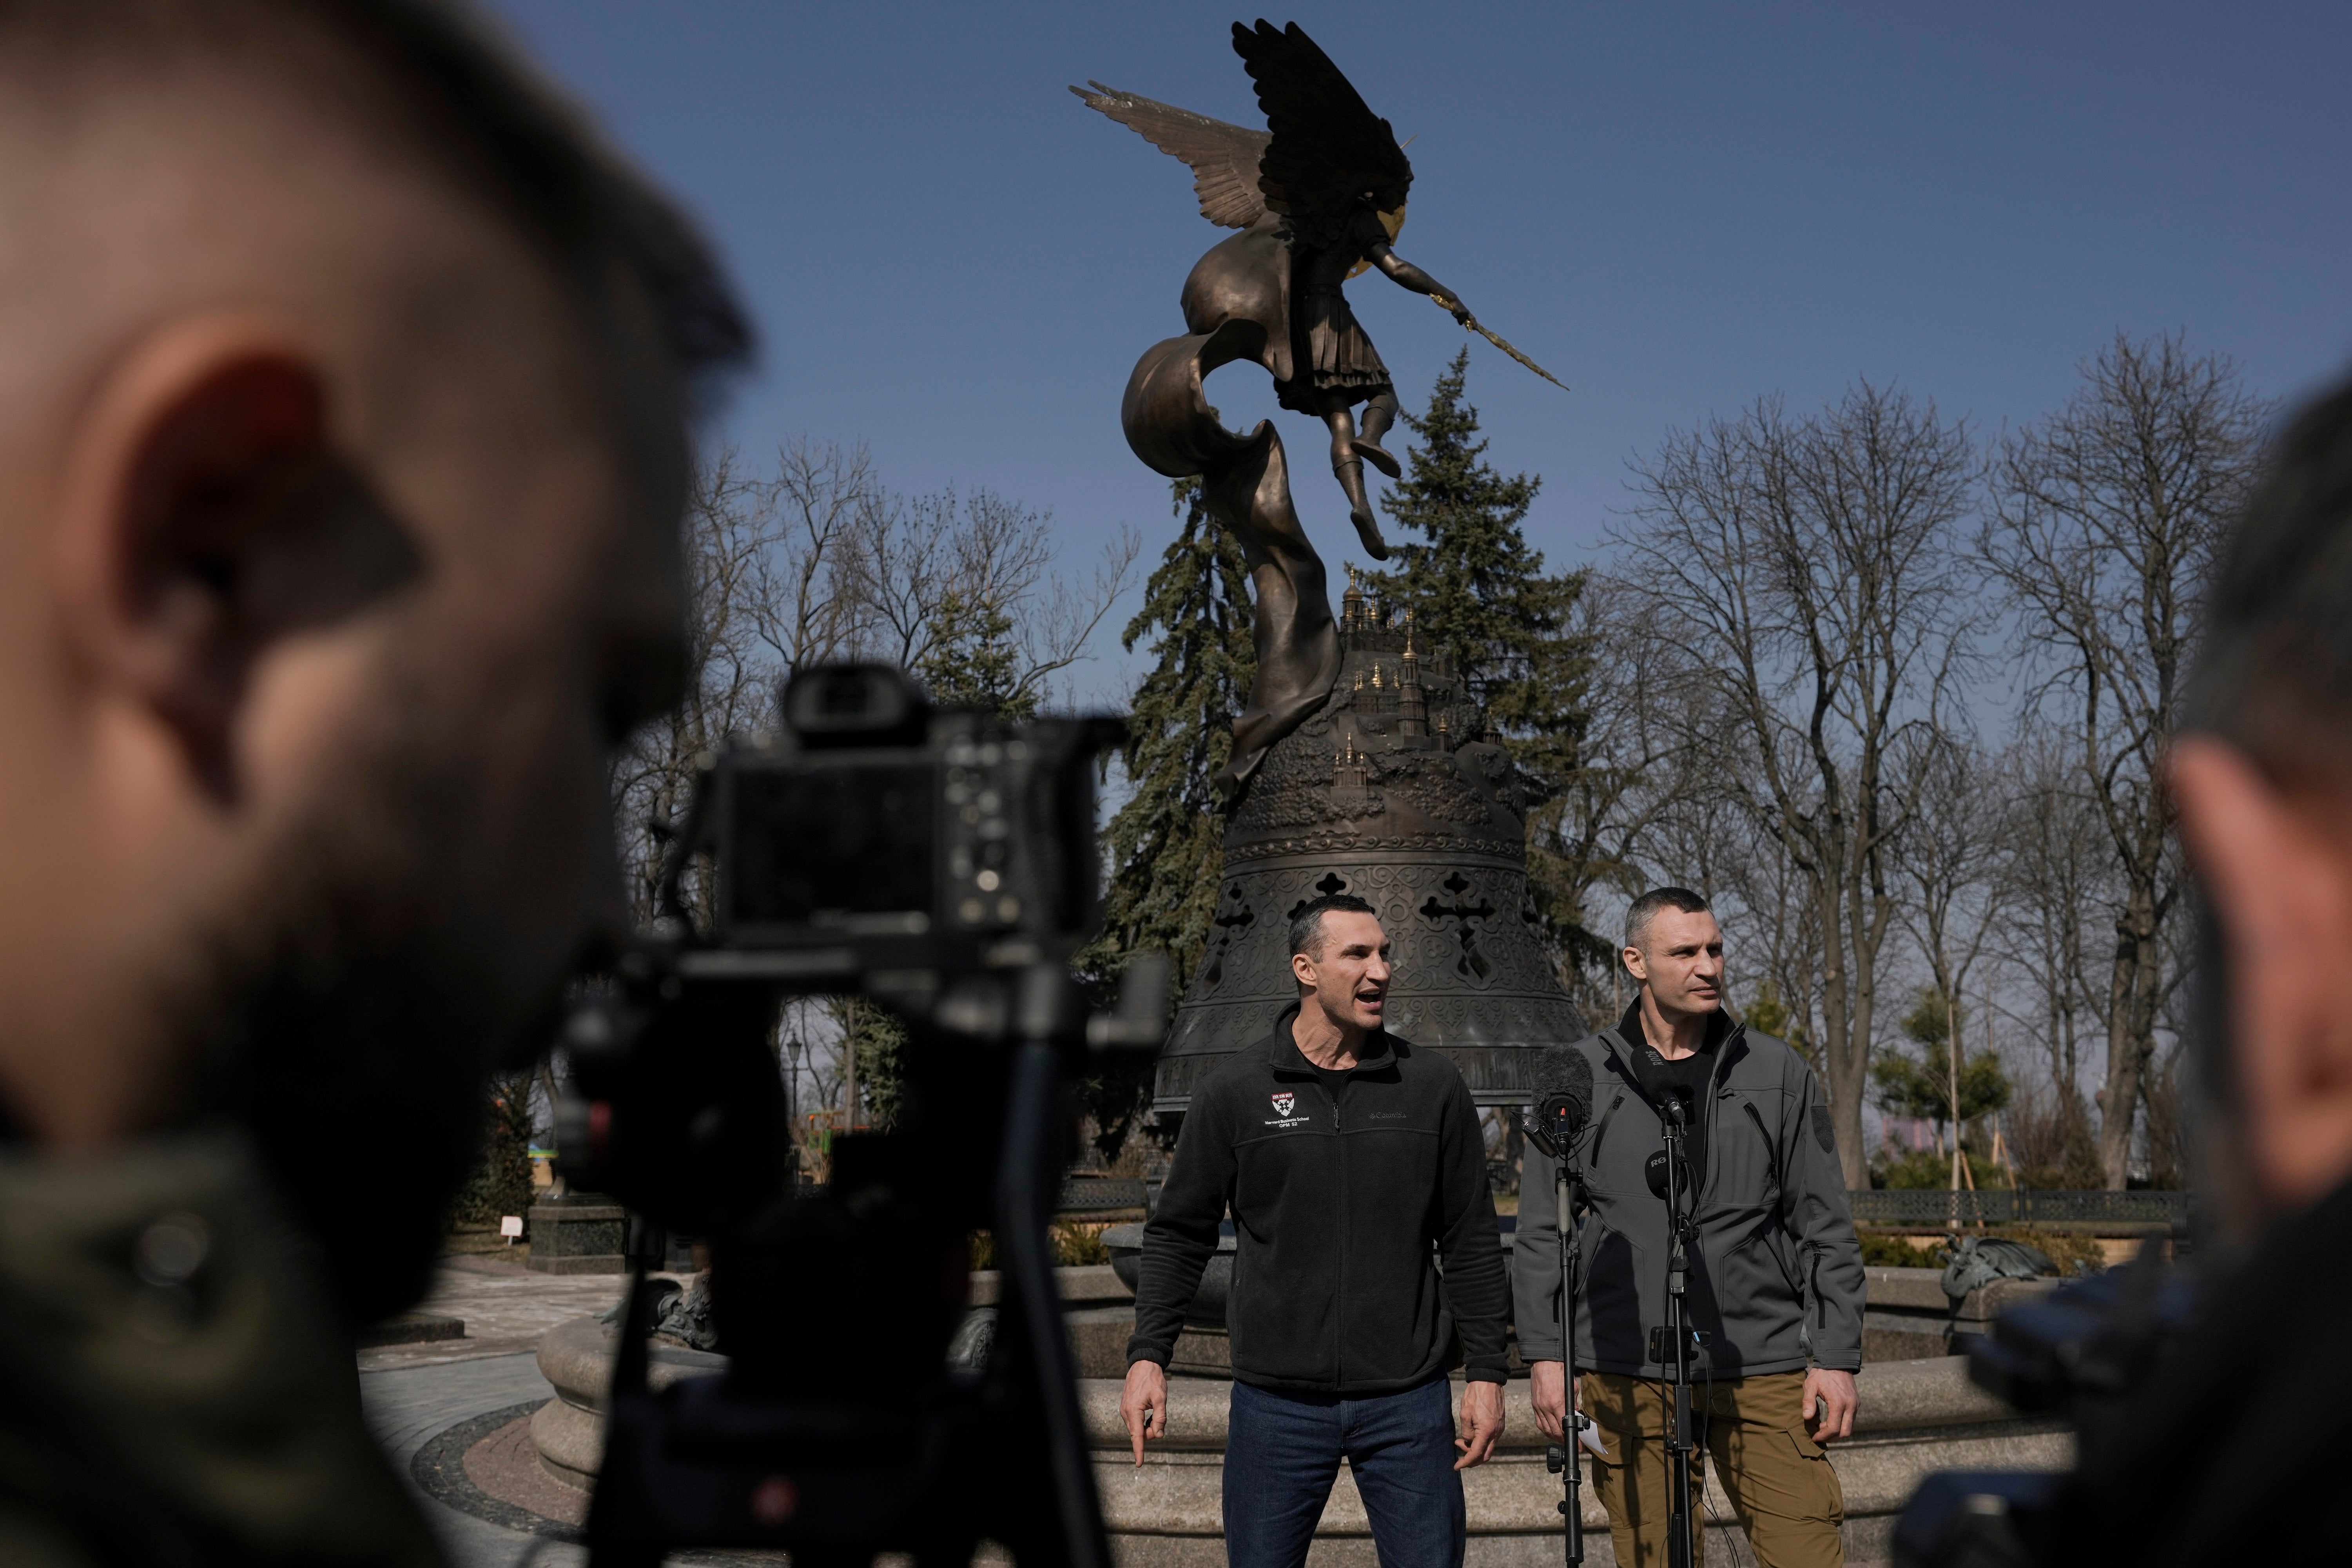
(1776, 1279)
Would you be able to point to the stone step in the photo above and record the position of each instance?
(411, 1329)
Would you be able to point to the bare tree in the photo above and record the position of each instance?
(2056, 886)
(2107, 513)
(1777, 943)
(1949, 855)
(737, 554)
(824, 505)
(953, 588)
(1637, 761)
(1807, 564)
(817, 560)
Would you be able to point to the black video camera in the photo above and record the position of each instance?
(943, 865)
(877, 841)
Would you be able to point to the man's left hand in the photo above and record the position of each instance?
(1835, 1391)
(1482, 1422)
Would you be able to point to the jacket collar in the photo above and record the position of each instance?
(1719, 1028)
(1281, 1052)
(1725, 1038)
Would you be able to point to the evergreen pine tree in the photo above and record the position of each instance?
(1481, 600)
(500, 1182)
(974, 661)
(1166, 842)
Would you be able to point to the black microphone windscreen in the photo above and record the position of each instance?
(1563, 1087)
(1669, 1098)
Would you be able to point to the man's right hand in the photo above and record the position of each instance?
(1545, 1391)
(1143, 1404)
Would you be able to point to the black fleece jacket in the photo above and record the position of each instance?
(1341, 1205)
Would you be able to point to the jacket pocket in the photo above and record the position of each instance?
(1806, 1479)
(1760, 1306)
(1745, 1170)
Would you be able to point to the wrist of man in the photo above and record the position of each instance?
(1157, 1358)
(1486, 1374)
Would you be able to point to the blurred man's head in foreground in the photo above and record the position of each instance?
(2261, 777)
(343, 439)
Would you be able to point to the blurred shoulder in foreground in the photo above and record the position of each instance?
(2232, 1443)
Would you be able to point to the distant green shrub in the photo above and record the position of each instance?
(1076, 1243)
(500, 1182)
(1916, 1169)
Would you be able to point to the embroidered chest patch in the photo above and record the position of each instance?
(1282, 1100)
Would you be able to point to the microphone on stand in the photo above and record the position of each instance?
(1671, 1099)
(1563, 1086)
(1659, 1086)
(1563, 1098)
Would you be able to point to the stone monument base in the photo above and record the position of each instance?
(569, 1237)
(1169, 1512)
(1916, 1416)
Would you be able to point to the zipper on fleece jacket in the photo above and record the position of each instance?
(1339, 1305)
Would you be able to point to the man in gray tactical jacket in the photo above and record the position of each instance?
(1776, 1276)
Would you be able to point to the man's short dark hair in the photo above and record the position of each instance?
(1307, 925)
(479, 114)
(2276, 673)
(1645, 909)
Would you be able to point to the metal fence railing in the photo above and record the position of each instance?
(1932, 1209)
(1092, 1195)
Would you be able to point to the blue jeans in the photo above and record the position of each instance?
(1283, 1452)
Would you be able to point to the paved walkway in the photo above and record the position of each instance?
(407, 1406)
(414, 1393)
(505, 1306)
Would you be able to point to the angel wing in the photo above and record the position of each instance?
(1328, 148)
(1224, 158)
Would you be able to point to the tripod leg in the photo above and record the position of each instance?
(1021, 1200)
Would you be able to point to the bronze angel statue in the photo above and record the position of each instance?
(1319, 196)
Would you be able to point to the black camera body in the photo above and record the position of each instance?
(942, 865)
(874, 842)
(2076, 1354)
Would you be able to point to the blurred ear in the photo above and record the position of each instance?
(2278, 873)
(204, 518)
(1634, 966)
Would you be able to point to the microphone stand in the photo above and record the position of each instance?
(1679, 1443)
(1563, 1457)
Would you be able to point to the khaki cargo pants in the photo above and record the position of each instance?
(1778, 1480)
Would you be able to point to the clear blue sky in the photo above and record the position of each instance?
(1674, 208)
